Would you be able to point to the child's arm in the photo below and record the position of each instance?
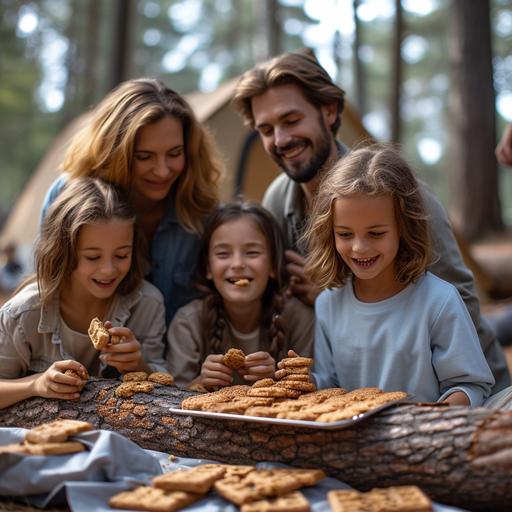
(258, 365)
(457, 356)
(50, 384)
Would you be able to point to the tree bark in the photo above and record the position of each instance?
(474, 137)
(459, 456)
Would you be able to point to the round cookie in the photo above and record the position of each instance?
(234, 358)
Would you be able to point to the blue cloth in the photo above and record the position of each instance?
(42, 480)
(421, 340)
(173, 255)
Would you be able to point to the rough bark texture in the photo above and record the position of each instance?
(459, 456)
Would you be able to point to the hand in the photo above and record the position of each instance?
(214, 372)
(282, 373)
(300, 285)
(125, 356)
(54, 384)
(258, 365)
(457, 398)
(504, 147)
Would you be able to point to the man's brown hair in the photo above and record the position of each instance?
(300, 68)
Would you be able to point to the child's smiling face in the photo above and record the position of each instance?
(367, 237)
(239, 251)
(104, 257)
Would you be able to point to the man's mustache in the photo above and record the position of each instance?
(283, 149)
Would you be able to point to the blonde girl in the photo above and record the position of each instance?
(145, 138)
(241, 274)
(88, 264)
(383, 319)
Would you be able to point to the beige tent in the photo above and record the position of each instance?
(249, 169)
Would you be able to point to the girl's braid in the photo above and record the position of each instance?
(277, 329)
(215, 322)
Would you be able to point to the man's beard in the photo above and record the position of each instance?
(304, 172)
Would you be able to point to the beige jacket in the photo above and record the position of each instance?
(187, 350)
(31, 340)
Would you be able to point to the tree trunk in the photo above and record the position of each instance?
(396, 85)
(458, 455)
(476, 178)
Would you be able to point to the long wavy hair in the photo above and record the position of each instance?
(104, 147)
(373, 170)
(299, 68)
(83, 201)
(272, 325)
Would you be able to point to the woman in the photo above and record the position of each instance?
(144, 137)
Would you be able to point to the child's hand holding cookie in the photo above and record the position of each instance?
(55, 383)
(214, 372)
(126, 354)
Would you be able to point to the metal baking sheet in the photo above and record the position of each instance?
(331, 425)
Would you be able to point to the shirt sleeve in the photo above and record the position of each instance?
(54, 190)
(324, 371)
(457, 357)
(300, 320)
(14, 352)
(153, 334)
(184, 346)
(449, 265)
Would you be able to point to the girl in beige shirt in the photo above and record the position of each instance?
(241, 274)
(87, 266)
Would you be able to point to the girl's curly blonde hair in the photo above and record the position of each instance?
(373, 170)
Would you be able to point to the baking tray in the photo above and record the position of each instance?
(322, 425)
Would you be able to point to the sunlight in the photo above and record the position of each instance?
(28, 21)
(430, 150)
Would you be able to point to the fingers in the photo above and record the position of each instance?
(293, 257)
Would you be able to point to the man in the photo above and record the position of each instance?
(296, 108)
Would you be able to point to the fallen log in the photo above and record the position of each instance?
(457, 455)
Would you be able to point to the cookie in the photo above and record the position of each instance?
(56, 431)
(292, 362)
(274, 392)
(263, 383)
(234, 358)
(134, 377)
(290, 502)
(199, 479)
(393, 499)
(305, 387)
(152, 499)
(255, 486)
(296, 376)
(98, 334)
(242, 283)
(295, 370)
(82, 374)
(43, 448)
(165, 379)
(128, 389)
(198, 388)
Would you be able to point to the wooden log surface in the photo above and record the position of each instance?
(459, 456)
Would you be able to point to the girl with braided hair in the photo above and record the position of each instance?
(241, 275)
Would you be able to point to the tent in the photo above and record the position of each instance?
(249, 169)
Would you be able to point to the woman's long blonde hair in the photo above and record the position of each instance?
(104, 147)
(373, 170)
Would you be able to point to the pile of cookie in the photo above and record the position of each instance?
(406, 498)
(253, 490)
(142, 382)
(50, 439)
(295, 382)
(323, 405)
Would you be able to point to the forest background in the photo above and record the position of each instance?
(432, 75)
